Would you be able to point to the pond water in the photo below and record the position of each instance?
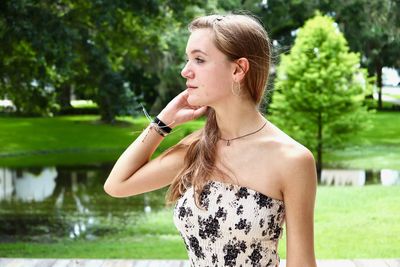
(47, 203)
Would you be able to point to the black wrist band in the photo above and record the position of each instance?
(162, 125)
(158, 129)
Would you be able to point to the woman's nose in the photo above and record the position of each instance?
(186, 72)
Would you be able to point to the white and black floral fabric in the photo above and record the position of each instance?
(240, 226)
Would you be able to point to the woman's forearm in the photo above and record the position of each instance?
(134, 157)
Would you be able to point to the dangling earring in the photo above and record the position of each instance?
(233, 88)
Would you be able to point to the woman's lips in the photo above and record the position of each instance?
(189, 86)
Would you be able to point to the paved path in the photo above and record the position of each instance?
(11, 262)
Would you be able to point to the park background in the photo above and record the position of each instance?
(75, 76)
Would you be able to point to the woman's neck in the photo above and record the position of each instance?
(237, 120)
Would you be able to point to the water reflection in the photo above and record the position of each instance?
(390, 177)
(58, 202)
(54, 202)
(27, 185)
(343, 177)
(339, 177)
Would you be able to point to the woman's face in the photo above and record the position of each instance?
(208, 72)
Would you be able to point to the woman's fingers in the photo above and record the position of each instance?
(182, 99)
(179, 110)
(199, 111)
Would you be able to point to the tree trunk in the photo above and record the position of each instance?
(106, 113)
(107, 117)
(319, 147)
(378, 69)
(64, 96)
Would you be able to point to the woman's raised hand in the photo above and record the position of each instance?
(179, 111)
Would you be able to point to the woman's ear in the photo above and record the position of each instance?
(241, 68)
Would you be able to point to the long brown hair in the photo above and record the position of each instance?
(236, 36)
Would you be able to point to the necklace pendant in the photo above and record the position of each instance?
(228, 143)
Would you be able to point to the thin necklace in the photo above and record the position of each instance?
(228, 141)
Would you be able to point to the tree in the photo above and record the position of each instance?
(282, 18)
(170, 64)
(28, 51)
(320, 88)
(372, 28)
(49, 46)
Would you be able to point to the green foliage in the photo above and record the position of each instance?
(170, 64)
(119, 53)
(320, 87)
(50, 47)
(282, 17)
(371, 27)
(113, 97)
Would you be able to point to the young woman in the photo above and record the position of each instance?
(235, 181)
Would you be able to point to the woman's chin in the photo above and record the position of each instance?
(193, 101)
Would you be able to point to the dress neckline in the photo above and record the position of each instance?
(247, 188)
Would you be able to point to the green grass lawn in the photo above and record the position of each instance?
(375, 148)
(71, 140)
(350, 222)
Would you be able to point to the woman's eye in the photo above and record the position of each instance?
(199, 60)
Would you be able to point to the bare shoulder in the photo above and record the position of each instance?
(300, 168)
(293, 160)
(296, 157)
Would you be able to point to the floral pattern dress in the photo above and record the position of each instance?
(240, 226)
